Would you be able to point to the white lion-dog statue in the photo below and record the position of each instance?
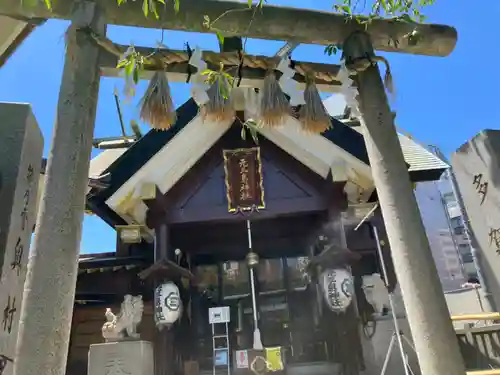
(124, 325)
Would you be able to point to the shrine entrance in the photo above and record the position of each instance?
(285, 309)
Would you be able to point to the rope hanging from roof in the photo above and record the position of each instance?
(215, 100)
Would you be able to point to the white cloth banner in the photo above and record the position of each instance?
(347, 89)
(199, 88)
(288, 84)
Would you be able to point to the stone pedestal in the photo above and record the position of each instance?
(121, 358)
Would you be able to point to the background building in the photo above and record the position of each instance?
(436, 223)
(437, 202)
(457, 227)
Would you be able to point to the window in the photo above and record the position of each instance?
(270, 274)
(297, 272)
(456, 222)
(235, 279)
(467, 258)
(464, 249)
(208, 280)
(449, 198)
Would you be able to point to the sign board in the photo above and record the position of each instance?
(274, 359)
(221, 357)
(337, 287)
(244, 182)
(218, 315)
(476, 166)
(21, 147)
(241, 358)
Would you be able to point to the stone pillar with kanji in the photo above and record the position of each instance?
(21, 148)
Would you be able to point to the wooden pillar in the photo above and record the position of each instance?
(433, 334)
(346, 340)
(163, 345)
(49, 290)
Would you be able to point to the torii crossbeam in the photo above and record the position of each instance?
(273, 22)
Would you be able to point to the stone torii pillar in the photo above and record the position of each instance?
(431, 327)
(45, 321)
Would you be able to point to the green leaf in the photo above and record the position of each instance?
(346, 9)
(122, 63)
(136, 75)
(243, 133)
(253, 133)
(249, 3)
(145, 8)
(48, 4)
(161, 2)
(206, 72)
(177, 5)
(120, 2)
(129, 69)
(220, 37)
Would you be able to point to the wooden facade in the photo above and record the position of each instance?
(193, 216)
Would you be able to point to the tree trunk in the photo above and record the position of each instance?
(433, 334)
(49, 293)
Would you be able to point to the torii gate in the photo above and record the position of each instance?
(47, 310)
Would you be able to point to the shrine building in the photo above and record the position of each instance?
(180, 201)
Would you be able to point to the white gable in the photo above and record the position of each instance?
(179, 155)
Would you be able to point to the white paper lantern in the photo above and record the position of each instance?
(337, 287)
(168, 304)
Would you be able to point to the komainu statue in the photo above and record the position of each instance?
(124, 325)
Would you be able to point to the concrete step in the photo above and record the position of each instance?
(310, 368)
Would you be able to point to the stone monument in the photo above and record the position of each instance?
(476, 166)
(21, 147)
(123, 352)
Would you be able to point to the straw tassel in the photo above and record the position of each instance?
(313, 114)
(388, 80)
(274, 106)
(157, 107)
(219, 106)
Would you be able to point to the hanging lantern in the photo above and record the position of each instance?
(168, 304)
(338, 288)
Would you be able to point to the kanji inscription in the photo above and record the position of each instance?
(21, 147)
(244, 181)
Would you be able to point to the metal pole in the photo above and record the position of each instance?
(257, 343)
(391, 302)
(388, 355)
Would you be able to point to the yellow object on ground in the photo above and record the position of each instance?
(273, 359)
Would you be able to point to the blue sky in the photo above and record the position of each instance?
(440, 101)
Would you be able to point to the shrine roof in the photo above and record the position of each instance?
(104, 262)
(125, 165)
(13, 33)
